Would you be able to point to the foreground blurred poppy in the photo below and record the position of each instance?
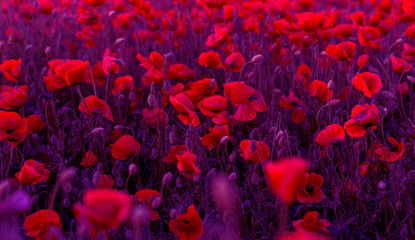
(12, 69)
(13, 128)
(311, 192)
(362, 117)
(187, 164)
(188, 226)
(185, 108)
(13, 97)
(254, 151)
(96, 106)
(125, 147)
(286, 176)
(147, 196)
(330, 136)
(310, 223)
(39, 223)
(103, 208)
(367, 83)
(393, 153)
(32, 173)
(215, 135)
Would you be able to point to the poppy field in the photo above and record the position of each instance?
(207, 119)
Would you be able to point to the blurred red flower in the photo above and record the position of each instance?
(12, 69)
(188, 226)
(39, 223)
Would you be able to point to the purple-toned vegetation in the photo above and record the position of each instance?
(207, 119)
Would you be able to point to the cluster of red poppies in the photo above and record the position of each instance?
(268, 119)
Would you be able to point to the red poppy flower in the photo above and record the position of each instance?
(215, 135)
(175, 150)
(155, 116)
(35, 124)
(185, 108)
(210, 60)
(105, 181)
(180, 72)
(174, 90)
(98, 74)
(341, 51)
(46, 7)
(228, 11)
(410, 31)
(13, 97)
(147, 196)
(399, 65)
(408, 7)
(187, 164)
(103, 208)
(298, 115)
(235, 62)
(369, 36)
(408, 52)
(188, 226)
(109, 64)
(221, 36)
(96, 106)
(358, 18)
(256, 9)
(291, 101)
(121, 84)
(202, 88)
(309, 21)
(32, 173)
(254, 151)
(362, 117)
(393, 153)
(304, 74)
(70, 73)
(214, 107)
(403, 88)
(13, 128)
(319, 90)
(362, 60)
(311, 192)
(95, 3)
(333, 134)
(286, 176)
(12, 69)
(89, 159)
(125, 147)
(154, 66)
(312, 224)
(38, 224)
(248, 100)
(251, 24)
(367, 83)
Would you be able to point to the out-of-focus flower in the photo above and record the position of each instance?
(188, 226)
(38, 224)
(149, 197)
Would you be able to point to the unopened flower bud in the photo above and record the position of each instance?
(167, 178)
(257, 58)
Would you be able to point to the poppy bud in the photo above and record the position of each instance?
(411, 79)
(66, 202)
(289, 68)
(398, 41)
(132, 95)
(172, 137)
(179, 182)
(167, 55)
(212, 83)
(132, 169)
(111, 13)
(297, 53)
(121, 97)
(398, 205)
(257, 58)
(47, 50)
(232, 177)
(5, 187)
(246, 204)
(253, 146)
(167, 85)
(382, 185)
(331, 86)
(224, 140)
(196, 178)
(167, 178)
(97, 131)
(119, 127)
(173, 214)
(151, 100)
(212, 173)
(67, 187)
(155, 203)
(332, 102)
(60, 145)
(66, 175)
(120, 182)
(232, 157)
(154, 152)
(53, 139)
(96, 178)
(119, 41)
(277, 69)
(28, 47)
(140, 216)
(282, 141)
(119, 62)
(189, 145)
